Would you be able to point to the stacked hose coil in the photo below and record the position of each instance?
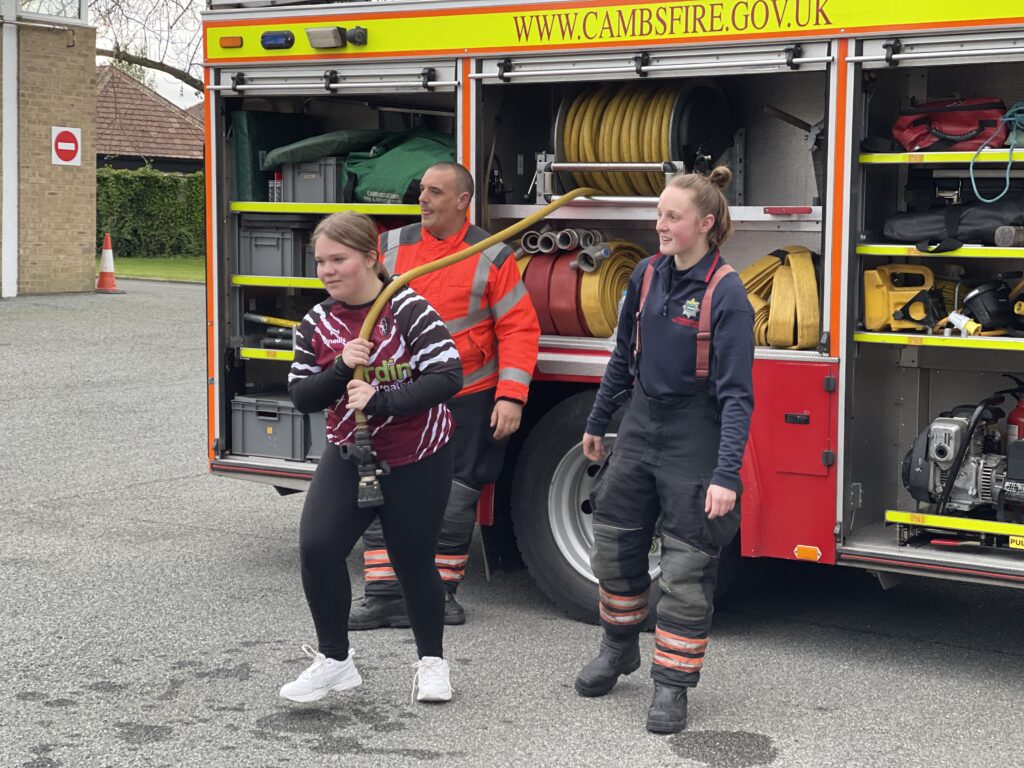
(644, 122)
(577, 292)
(618, 124)
(782, 288)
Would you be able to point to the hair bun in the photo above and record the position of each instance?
(721, 176)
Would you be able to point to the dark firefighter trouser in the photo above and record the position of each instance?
(661, 465)
(477, 460)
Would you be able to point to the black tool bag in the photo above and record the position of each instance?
(955, 225)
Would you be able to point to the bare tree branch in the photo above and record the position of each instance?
(142, 61)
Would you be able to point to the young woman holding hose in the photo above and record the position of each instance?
(411, 367)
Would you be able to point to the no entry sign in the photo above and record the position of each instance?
(66, 146)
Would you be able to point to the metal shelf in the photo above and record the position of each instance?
(954, 342)
(277, 282)
(370, 209)
(967, 252)
(258, 353)
(940, 158)
(744, 217)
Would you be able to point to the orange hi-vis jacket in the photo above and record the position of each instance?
(482, 301)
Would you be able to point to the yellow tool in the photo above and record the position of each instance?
(888, 306)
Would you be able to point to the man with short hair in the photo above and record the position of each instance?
(490, 316)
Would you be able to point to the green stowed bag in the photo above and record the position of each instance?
(330, 144)
(390, 171)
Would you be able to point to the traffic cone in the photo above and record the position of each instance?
(106, 282)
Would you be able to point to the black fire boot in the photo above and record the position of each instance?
(373, 612)
(667, 713)
(454, 614)
(618, 655)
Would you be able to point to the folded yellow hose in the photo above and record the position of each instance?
(805, 282)
(761, 311)
(601, 289)
(757, 278)
(794, 320)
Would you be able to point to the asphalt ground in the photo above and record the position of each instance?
(150, 612)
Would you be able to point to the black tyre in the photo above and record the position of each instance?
(551, 511)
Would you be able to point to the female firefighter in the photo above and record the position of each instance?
(685, 342)
(412, 367)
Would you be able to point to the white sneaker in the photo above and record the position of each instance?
(432, 679)
(323, 676)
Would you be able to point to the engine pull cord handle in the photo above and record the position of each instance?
(370, 470)
(958, 460)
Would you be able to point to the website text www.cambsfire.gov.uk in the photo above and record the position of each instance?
(673, 20)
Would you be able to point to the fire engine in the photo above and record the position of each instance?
(878, 438)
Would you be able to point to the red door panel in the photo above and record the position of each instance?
(789, 488)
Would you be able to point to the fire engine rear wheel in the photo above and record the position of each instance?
(550, 507)
(550, 511)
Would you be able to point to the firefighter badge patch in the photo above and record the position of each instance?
(691, 308)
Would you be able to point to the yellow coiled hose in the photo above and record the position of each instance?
(620, 124)
(601, 289)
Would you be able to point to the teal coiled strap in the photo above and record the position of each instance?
(1015, 118)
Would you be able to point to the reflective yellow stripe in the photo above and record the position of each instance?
(899, 158)
(954, 523)
(255, 353)
(972, 342)
(978, 252)
(277, 282)
(370, 209)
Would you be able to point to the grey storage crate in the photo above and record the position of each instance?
(317, 435)
(313, 182)
(267, 425)
(309, 260)
(274, 246)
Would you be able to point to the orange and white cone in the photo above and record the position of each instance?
(106, 283)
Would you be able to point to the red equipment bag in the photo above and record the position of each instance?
(952, 124)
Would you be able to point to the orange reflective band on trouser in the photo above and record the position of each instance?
(451, 567)
(680, 643)
(623, 610)
(673, 661)
(373, 557)
(379, 574)
(623, 602)
(685, 654)
(450, 576)
(624, 619)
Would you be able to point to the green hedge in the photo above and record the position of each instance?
(150, 214)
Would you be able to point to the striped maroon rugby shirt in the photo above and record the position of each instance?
(409, 338)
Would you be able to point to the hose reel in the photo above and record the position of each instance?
(646, 122)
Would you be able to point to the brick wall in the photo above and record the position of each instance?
(57, 204)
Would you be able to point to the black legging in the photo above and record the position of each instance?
(414, 500)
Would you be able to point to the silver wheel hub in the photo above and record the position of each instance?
(568, 511)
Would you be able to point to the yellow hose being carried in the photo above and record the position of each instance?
(368, 489)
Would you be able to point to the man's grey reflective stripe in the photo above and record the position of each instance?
(476, 291)
(516, 375)
(459, 324)
(508, 301)
(389, 241)
(481, 373)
